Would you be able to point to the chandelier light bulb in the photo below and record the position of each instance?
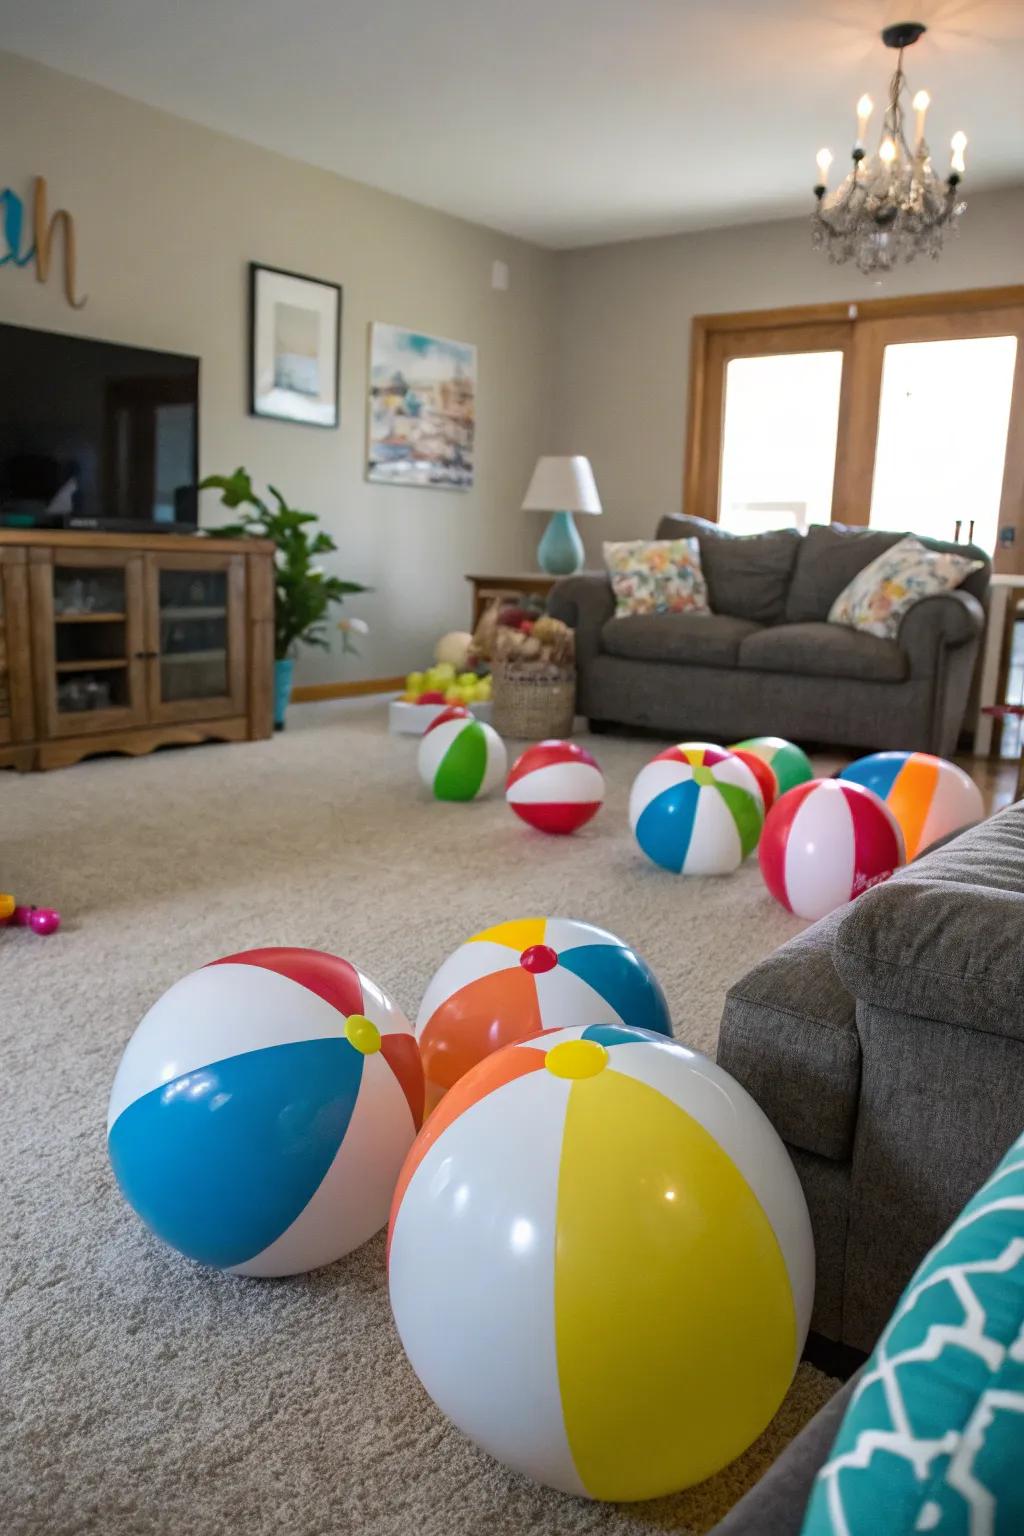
(823, 159)
(922, 101)
(887, 152)
(958, 143)
(865, 107)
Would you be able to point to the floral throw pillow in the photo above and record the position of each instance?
(879, 595)
(656, 576)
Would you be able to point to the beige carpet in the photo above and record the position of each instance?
(142, 1394)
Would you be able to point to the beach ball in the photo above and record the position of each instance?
(600, 1262)
(767, 783)
(262, 1111)
(789, 765)
(824, 843)
(461, 758)
(929, 797)
(555, 786)
(696, 809)
(529, 974)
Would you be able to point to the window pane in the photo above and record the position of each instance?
(779, 440)
(942, 422)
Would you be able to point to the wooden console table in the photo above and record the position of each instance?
(486, 588)
(127, 642)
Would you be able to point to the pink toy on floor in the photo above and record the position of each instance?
(42, 920)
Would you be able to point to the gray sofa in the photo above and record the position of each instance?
(776, 1505)
(886, 1045)
(765, 661)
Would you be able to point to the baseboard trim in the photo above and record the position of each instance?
(308, 693)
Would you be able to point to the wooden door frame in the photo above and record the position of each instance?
(708, 355)
(721, 346)
(52, 723)
(18, 725)
(234, 701)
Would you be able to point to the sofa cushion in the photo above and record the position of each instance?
(824, 650)
(831, 554)
(942, 940)
(713, 639)
(748, 575)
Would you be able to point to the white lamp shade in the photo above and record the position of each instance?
(562, 484)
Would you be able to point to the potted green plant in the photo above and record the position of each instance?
(304, 592)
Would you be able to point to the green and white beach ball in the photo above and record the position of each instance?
(460, 757)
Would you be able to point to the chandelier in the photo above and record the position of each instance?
(892, 206)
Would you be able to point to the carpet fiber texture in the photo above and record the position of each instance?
(142, 1394)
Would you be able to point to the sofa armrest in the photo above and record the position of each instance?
(929, 949)
(947, 619)
(586, 603)
(789, 1036)
(776, 1505)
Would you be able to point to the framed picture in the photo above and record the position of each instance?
(294, 347)
(422, 409)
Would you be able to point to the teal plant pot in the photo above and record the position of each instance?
(560, 552)
(283, 673)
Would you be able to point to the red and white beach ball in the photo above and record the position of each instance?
(555, 786)
(825, 842)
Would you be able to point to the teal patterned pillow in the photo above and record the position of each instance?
(933, 1439)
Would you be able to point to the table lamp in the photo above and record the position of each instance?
(561, 486)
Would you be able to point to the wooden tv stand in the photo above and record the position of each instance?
(126, 642)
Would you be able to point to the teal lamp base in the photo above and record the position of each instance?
(283, 671)
(560, 551)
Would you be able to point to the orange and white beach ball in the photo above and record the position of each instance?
(529, 974)
(929, 796)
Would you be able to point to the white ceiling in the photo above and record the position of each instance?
(568, 122)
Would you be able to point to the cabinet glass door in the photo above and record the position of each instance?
(197, 634)
(89, 642)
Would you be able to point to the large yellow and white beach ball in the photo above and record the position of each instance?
(600, 1262)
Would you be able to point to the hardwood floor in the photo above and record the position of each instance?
(995, 777)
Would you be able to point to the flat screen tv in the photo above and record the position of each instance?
(94, 435)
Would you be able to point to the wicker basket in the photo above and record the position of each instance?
(533, 699)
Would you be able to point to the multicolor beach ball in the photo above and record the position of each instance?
(262, 1111)
(600, 1262)
(533, 973)
(767, 783)
(696, 809)
(929, 797)
(789, 764)
(826, 842)
(555, 786)
(461, 758)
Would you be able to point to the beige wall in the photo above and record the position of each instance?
(624, 333)
(587, 352)
(168, 216)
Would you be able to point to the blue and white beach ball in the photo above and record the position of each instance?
(262, 1110)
